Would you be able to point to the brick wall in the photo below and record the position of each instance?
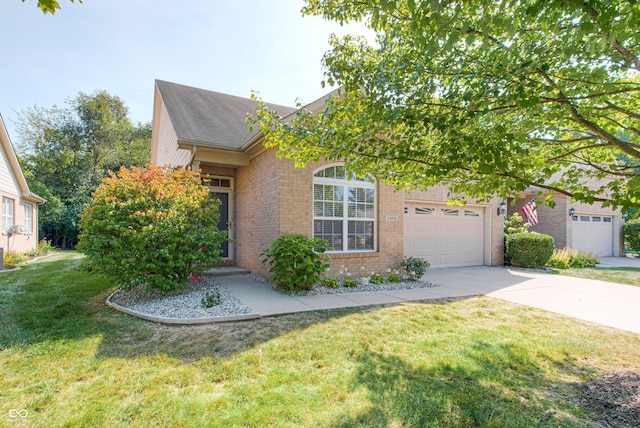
(274, 198)
(257, 213)
(551, 221)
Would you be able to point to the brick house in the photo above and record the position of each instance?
(19, 231)
(371, 225)
(589, 228)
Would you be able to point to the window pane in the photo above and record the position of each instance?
(7, 213)
(360, 235)
(28, 218)
(331, 230)
(359, 205)
(333, 204)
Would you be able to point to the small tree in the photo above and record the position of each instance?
(513, 224)
(152, 226)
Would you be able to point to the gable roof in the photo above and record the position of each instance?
(210, 118)
(7, 147)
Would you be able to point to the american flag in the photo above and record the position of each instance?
(530, 213)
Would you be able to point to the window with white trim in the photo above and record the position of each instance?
(344, 209)
(28, 218)
(425, 211)
(7, 213)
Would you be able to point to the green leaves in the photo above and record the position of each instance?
(151, 226)
(297, 262)
(50, 6)
(487, 98)
(66, 152)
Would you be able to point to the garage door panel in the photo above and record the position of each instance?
(447, 237)
(425, 244)
(593, 237)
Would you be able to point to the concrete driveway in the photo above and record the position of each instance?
(605, 303)
(600, 302)
(619, 262)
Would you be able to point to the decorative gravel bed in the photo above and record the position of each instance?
(186, 303)
(319, 289)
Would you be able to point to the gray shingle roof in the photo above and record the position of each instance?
(208, 117)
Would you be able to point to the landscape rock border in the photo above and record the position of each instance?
(180, 321)
(182, 307)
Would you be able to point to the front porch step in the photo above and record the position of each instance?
(226, 271)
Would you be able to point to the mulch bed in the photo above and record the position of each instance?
(614, 399)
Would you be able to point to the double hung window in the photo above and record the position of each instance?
(8, 206)
(344, 209)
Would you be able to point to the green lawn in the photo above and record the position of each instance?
(620, 275)
(68, 360)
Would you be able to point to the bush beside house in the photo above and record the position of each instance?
(529, 249)
(296, 261)
(151, 226)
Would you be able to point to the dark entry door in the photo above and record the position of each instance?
(223, 223)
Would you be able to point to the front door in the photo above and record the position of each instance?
(223, 223)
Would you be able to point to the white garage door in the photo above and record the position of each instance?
(444, 236)
(593, 234)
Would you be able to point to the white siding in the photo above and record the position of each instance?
(168, 151)
(8, 183)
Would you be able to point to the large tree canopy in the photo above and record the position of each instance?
(489, 97)
(66, 152)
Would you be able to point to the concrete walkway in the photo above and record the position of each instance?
(601, 302)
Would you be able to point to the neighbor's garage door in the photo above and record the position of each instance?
(444, 236)
(593, 234)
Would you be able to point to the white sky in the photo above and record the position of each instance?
(122, 46)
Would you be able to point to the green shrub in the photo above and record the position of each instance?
(211, 299)
(377, 279)
(330, 283)
(394, 277)
(350, 283)
(414, 267)
(513, 224)
(569, 257)
(151, 226)
(632, 234)
(44, 247)
(561, 259)
(13, 260)
(297, 262)
(529, 249)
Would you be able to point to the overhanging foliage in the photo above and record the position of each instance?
(486, 97)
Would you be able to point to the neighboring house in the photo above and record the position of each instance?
(589, 228)
(370, 225)
(19, 205)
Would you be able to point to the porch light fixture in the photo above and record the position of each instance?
(502, 208)
(572, 212)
